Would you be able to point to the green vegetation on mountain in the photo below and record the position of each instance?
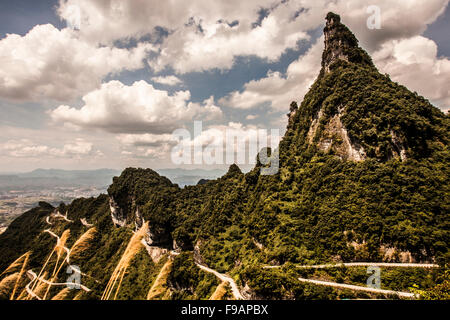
(363, 177)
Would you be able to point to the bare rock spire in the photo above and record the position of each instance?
(341, 44)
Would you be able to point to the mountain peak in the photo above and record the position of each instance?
(354, 112)
(233, 170)
(341, 44)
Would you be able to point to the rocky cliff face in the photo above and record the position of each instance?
(117, 215)
(334, 137)
(341, 44)
(356, 113)
(334, 43)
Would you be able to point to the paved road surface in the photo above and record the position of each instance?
(234, 288)
(359, 288)
(364, 264)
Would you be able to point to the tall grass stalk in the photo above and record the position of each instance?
(133, 247)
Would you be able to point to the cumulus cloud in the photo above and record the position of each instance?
(202, 36)
(188, 49)
(278, 89)
(25, 148)
(199, 37)
(414, 63)
(251, 117)
(146, 145)
(410, 61)
(138, 108)
(167, 80)
(146, 139)
(225, 144)
(399, 19)
(215, 144)
(109, 20)
(48, 63)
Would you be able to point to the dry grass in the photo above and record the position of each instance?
(62, 243)
(7, 284)
(60, 250)
(23, 294)
(79, 295)
(22, 271)
(41, 287)
(78, 247)
(158, 288)
(62, 294)
(220, 291)
(18, 262)
(82, 243)
(21, 262)
(133, 247)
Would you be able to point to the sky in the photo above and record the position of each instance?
(87, 84)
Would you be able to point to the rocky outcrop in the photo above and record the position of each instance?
(139, 220)
(155, 253)
(399, 147)
(292, 110)
(197, 255)
(334, 44)
(159, 237)
(117, 215)
(341, 44)
(334, 137)
(155, 237)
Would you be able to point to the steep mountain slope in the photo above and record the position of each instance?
(363, 177)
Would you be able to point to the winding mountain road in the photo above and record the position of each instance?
(58, 239)
(59, 215)
(364, 264)
(358, 288)
(85, 223)
(234, 288)
(33, 277)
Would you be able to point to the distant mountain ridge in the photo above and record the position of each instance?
(97, 177)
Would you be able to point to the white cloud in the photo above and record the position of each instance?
(25, 148)
(138, 108)
(399, 19)
(411, 61)
(188, 50)
(414, 63)
(146, 139)
(48, 63)
(146, 145)
(78, 147)
(204, 35)
(242, 142)
(109, 20)
(167, 80)
(278, 89)
(230, 143)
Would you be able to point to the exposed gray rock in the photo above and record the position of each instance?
(117, 215)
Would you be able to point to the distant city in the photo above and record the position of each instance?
(21, 192)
